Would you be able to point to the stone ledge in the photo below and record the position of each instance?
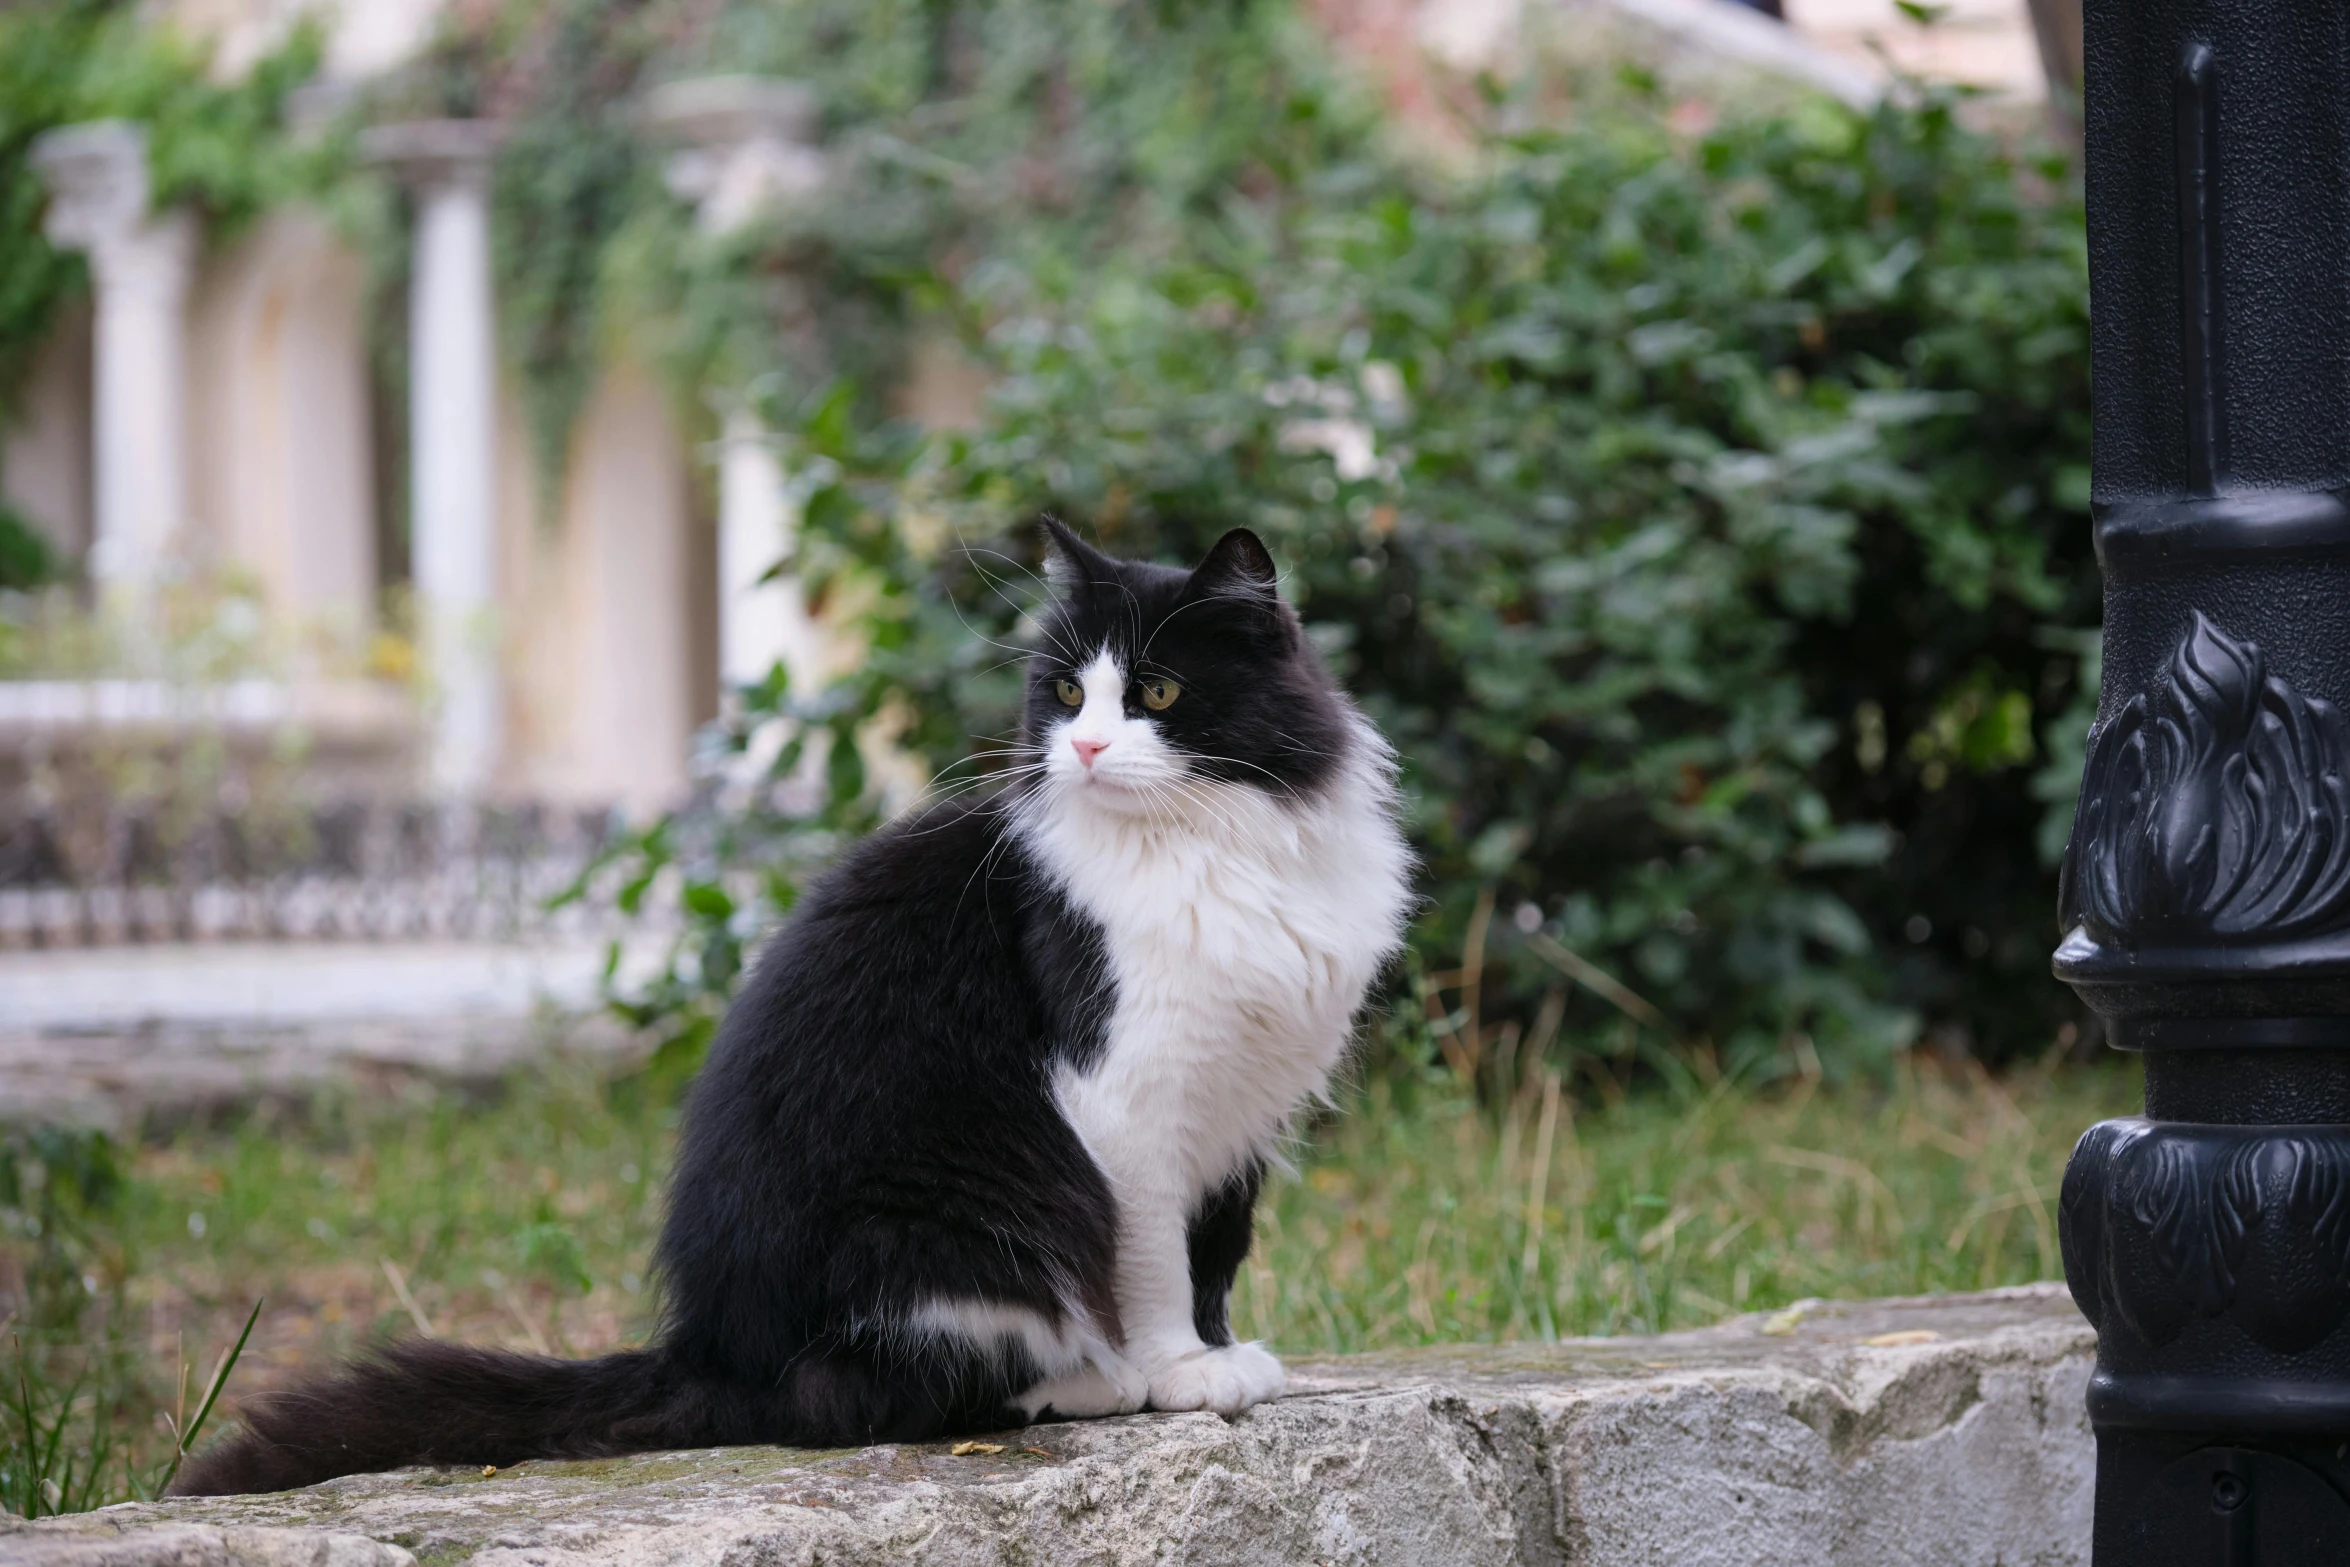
(1945, 1429)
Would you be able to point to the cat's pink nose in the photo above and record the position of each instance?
(1087, 750)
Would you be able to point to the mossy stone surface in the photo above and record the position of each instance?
(1936, 1429)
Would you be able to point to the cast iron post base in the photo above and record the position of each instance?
(2172, 1501)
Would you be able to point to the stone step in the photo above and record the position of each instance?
(1947, 1430)
(123, 1036)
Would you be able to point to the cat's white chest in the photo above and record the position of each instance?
(1240, 953)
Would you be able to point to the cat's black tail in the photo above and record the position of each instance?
(423, 1402)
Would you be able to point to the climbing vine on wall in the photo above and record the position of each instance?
(571, 170)
(223, 149)
(964, 135)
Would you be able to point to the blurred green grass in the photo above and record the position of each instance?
(1419, 1216)
(1412, 1213)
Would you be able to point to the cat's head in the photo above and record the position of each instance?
(1151, 680)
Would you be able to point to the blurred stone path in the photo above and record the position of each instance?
(113, 1036)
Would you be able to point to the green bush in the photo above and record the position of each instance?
(26, 559)
(1704, 522)
(1704, 519)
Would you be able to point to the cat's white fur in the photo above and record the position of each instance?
(1243, 929)
(1084, 1373)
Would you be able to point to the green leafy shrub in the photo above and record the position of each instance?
(1699, 520)
(1704, 519)
(26, 560)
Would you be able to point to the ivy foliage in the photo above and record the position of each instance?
(962, 136)
(562, 81)
(222, 149)
(1703, 517)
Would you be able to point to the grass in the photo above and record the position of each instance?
(72, 1404)
(1414, 1215)
(1418, 1216)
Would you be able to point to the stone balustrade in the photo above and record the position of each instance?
(105, 871)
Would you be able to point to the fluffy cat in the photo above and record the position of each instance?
(980, 1140)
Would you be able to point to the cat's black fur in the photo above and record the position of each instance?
(1258, 707)
(876, 1124)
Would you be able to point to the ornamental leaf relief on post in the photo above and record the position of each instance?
(2214, 807)
(2168, 1223)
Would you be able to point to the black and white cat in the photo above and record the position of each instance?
(980, 1141)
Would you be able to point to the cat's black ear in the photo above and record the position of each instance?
(1238, 565)
(1071, 563)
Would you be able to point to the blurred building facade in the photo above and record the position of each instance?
(214, 409)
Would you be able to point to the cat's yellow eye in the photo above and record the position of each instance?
(1159, 694)
(1071, 693)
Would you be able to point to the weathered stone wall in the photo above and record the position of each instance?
(1873, 1434)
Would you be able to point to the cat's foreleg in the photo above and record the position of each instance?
(1220, 1234)
(1156, 1302)
(1143, 1145)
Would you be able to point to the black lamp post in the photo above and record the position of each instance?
(2207, 889)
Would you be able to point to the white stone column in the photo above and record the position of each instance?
(452, 434)
(140, 265)
(759, 622)
(748, 149)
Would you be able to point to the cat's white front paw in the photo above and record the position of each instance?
(1226, 1380)
(1107, 1386)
